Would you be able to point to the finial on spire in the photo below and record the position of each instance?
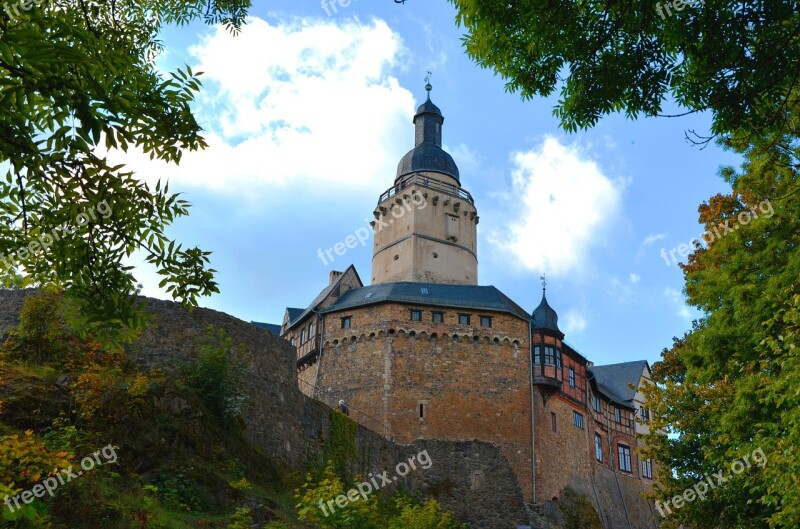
(428, 86)
(544, 282)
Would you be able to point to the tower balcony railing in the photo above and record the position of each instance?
(429, 183)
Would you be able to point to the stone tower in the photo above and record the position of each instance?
(425, 224)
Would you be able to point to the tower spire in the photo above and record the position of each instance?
(543, 277)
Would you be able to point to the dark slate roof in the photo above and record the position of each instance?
(428, 106)
(437, 294)
(271, 327)
(545, 317)
(299, 314)
(427, 157)
(293, 314)
(614, 379)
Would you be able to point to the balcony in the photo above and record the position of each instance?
(547, 375)
(428, 183)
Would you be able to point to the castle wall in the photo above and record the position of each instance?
(472, 382)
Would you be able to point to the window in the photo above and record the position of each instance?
(537, 355)
(558, 358)
(346, 323)
(624, 458)
(421, 410)
(302, 337)
(549, 355)
(645, 413)
(292, 342)
(571, 377)
(553, 422)
(577, 419)
(647, 468)
(310, 330)
(463, 319)
(596, 404)
(437, 317)
(617, 415)
(598, 447)
(416, 315)
(486, 321)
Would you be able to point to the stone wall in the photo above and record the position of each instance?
(428, 380)
(471, 479)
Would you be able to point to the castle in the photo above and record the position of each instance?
(424, 352)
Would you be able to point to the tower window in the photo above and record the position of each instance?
(624, 453)
(416, 315)
(437, 317)
(553, 421)
(486, 321)
(463, 319)
(346, 322)
(598, 447)
(571, 377)
(577, 419)
(537, 355)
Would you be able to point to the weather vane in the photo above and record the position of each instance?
(428, 86)
(544, 282)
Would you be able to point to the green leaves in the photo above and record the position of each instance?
(75, 77)
(738, 59)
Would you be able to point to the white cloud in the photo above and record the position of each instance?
(647, 242)
(634, 278)
(303, 102)
(676, 299)
(574, 321)
(563, 206)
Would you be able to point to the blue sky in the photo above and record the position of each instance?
(307, 115)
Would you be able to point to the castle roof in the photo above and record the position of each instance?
(613, 380)
(433, 294)
(545, 317)
(271, 327)
(294, 314)
(427, 154)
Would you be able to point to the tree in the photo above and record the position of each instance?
(738, 59)
(76, 77)
(728, 388)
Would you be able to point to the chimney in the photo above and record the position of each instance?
(333, 276)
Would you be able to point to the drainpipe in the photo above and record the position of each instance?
(533, 422)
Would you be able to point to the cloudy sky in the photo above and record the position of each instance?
(308, 111)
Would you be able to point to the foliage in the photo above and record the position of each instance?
(426, 516)
(739, 59)
(79, 79)
(241, 519)
(578, 510)
(341, 443)
(359, 514)
(729, 387)
(218, 373)
(24, 461)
